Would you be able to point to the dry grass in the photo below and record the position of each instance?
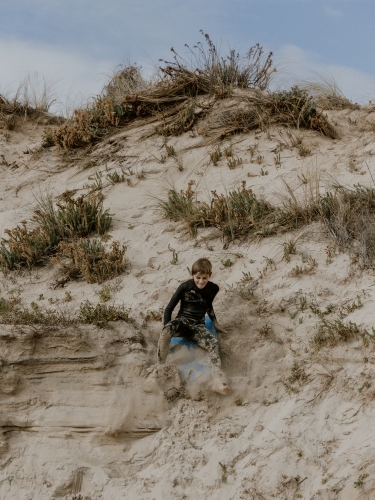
(90, 260)
(346, 212)
(327, 94)
(293, 108)
(171, 99)
(33, 97)
(70, 219)
(101, 314)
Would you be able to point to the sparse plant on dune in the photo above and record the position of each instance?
(171, 98)
(330, 333)
(292, 108)
(71, 218)
(346, 212)
(101, 314)
(90, 260)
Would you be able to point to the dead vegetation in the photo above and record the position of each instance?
(332, 332)
(32, 99)
(294, 108)
(182, 91)
(346, 212)
(89, 259)
(70, 219)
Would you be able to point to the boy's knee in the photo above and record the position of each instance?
(212, 342)
(167, 331)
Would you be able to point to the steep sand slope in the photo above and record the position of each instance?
(82, 415)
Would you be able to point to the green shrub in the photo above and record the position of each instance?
(12, 312)
(70, 219)
(101, 314)
(330, 333)
(90, 260)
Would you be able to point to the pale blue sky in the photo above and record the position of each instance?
(76, 43)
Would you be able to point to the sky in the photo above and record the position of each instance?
(73, 46)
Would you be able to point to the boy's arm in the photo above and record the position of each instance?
(211, 313)
(176, 297)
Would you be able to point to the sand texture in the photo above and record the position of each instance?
(84, 414)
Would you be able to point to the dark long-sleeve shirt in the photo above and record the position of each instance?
(195, 302)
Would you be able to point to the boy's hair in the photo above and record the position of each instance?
(202, 266)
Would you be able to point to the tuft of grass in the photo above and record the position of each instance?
(70, 219)
(171, 99)
(233, 162)
(346, 212)
(215, 155)
(308, 268)
(330, 333)
(297, 374)
(13, 312)
(289, 248)
(90, 260)
(293, 108)
(116, 177)
(101, 314)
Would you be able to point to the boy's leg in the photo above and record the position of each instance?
(171, 329)
(163, 344)
(204, 338)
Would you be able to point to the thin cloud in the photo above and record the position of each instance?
(72, 77)
(332, 12)
(295, 64)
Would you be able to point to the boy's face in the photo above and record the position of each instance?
(201, 280)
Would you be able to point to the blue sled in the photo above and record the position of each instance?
(190, 359)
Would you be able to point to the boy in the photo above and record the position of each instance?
(196, 296)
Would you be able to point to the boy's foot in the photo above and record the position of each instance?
(219, 383)
(168, 379)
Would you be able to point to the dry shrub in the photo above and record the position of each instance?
(126, 79)
(90, 260)
(238, 213)
(88, 125)
(293, 108)
(70, 219)
(330, 333)
(101, 314)
(13, 312)
(172, 98)
(346, 212)
(327, 94)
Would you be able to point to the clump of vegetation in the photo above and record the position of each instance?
(347, 213)
(236, 214)
(330, 333)
(215, 155)
(292, 108)
(349, 216)
(297, 374)
(116, 177)
(90, 260)
(171, 98)
(306, 269)
(13, 312)
(101, 314)
(72, 218)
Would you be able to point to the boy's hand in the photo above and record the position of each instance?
(219, 328)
